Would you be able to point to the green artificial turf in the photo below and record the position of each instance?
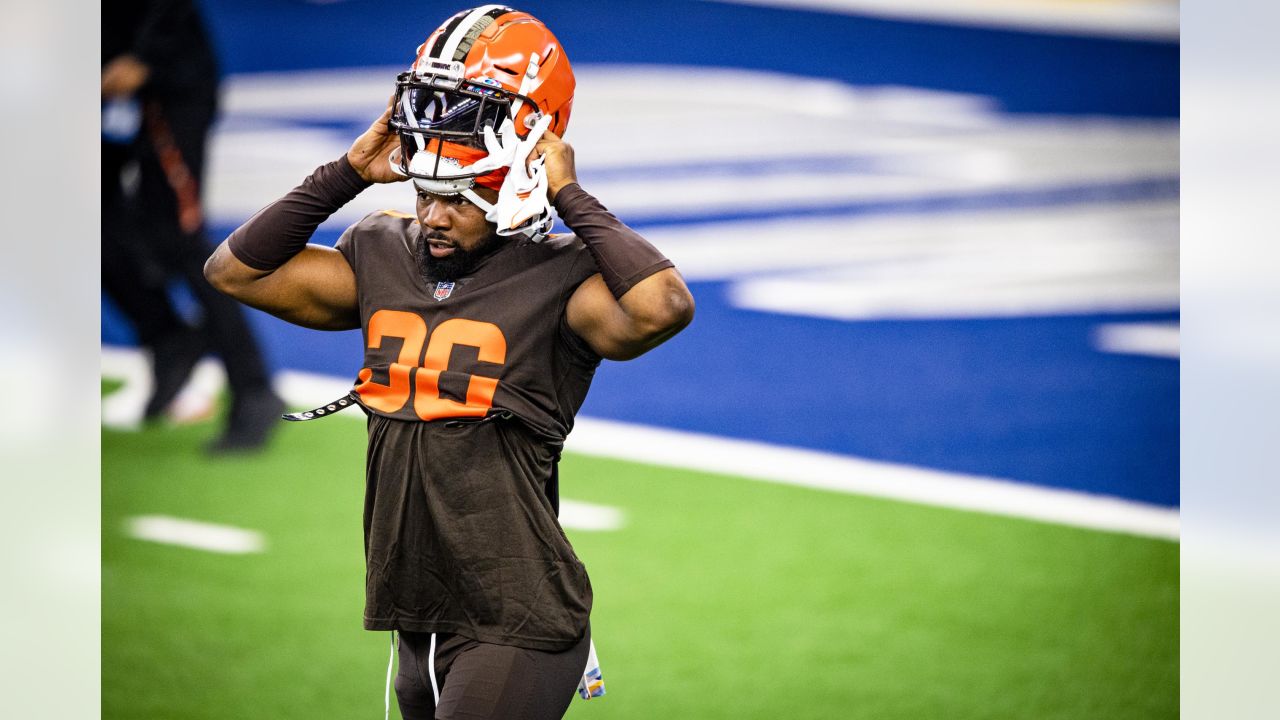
(720, 598)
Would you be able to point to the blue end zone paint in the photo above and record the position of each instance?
(1023, 71)
(1023, 398)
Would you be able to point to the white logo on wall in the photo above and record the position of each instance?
(968, 211)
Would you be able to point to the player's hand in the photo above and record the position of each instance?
(559, 162)
(123, 76)
(370, 152)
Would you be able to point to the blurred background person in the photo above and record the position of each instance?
(160, 95)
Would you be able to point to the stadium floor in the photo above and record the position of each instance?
(718, 598)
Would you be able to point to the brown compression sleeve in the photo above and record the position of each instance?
(623, 257)
(281, 230)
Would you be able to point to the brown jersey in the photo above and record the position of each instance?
(471, 387)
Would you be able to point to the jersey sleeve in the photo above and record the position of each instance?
(582, 267)
(347, 246)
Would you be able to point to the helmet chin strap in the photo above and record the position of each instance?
(490, 209)
(522, 207)
(536, 229)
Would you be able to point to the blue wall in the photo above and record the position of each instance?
(1025, 72)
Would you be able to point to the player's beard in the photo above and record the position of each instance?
(459, 263)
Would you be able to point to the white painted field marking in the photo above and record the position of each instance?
(195, 534)
(579, 515)
(1018, 262)
(1149, 19)
(1153, 339)
(840, 473)
(804, 468)
(878, 143)
(302, 389)
(308, 390)
(123, 409)
(126, 364)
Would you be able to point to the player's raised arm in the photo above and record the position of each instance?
(267, 264)
(638, 300)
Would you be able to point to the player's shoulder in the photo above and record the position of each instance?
(561, 259)
(552, 251)
(560, 245)
(378, 233)
(380, 226)
(392, 221)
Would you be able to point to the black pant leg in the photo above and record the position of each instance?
(176, 133)
(130, 276)
(413, 680)
(501, 682)
(226, 325)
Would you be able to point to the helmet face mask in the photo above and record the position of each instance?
(451, 110)
(445, 116)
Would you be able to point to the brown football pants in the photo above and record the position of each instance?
(478, 680)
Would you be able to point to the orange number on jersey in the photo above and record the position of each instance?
(413, 330)
(492, 346)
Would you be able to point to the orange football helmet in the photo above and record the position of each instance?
(478, 69)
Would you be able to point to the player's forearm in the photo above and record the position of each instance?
(623, 257)
(281, 230)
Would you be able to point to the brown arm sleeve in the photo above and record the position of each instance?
(281, 230)
(622, 256)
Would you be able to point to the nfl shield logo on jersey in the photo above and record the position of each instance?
(443, 290)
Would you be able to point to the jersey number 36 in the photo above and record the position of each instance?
(420, 373)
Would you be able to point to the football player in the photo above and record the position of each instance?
(482, 334)
(159, 93)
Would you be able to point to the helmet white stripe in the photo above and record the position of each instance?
(526, 84)
(412, 118)
(459, 32)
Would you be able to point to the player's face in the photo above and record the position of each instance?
(455, 236)
(451, 223)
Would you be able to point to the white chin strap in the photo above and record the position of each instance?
(522, 207)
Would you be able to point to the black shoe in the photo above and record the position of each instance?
(173, 357)
(253, 416)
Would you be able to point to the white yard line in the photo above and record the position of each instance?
(195, 534)
(794, 466)
(857, 476)
(579, 515)
(298, 389)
